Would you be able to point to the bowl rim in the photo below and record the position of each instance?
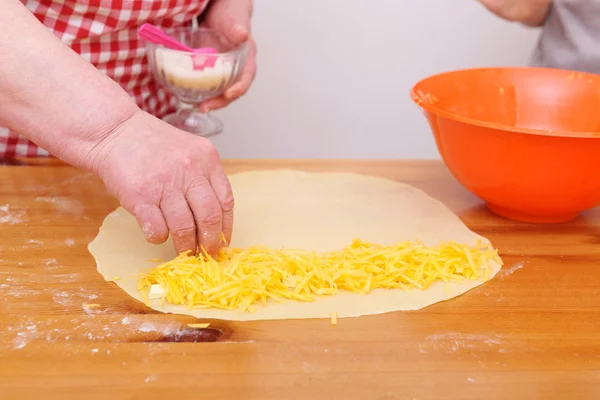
(235, 49)
(418, 99)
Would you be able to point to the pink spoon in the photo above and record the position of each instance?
(155, 35)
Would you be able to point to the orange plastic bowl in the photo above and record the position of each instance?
(525, 140)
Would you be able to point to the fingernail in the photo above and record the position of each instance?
(148, 230)
(241, 30)
(231, 93)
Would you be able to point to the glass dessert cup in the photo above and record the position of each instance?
(195, 77)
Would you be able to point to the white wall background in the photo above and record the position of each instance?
(334, 75)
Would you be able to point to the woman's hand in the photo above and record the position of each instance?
(169, 180)
(528, 12)
(232, 18)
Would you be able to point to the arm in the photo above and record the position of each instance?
(528, 12)
(170, 180)
(51, 95)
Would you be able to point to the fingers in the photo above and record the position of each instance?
(180, 221)
(207, 214)
(239, 88)
(237, 32)
(232, 18)
(222, 188)
(214, 104)
(151, 220)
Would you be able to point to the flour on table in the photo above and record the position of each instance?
(11, 217)
(454, 341)
(506, 271)
(35, 243)
(51, 262)
(64, 205)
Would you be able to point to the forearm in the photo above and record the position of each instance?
(51, 95)
(538, 13)
(528, 12)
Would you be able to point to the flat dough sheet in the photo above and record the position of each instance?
(318, 211)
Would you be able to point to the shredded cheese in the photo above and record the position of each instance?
(334, 319)
(90, 305)
(241, 278)
(199, 325)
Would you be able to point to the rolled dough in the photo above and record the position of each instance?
(313, 211)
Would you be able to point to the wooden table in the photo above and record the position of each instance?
(533, 332)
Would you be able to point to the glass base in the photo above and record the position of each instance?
(195, 122)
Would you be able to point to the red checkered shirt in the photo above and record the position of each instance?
(104, 32)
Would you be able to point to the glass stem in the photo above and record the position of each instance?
(189, 107)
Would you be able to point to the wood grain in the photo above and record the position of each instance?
(533, 332)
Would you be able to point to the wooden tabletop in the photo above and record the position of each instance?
(533, 332)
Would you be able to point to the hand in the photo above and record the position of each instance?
(169, 180)
(232, 19)
(528, 12)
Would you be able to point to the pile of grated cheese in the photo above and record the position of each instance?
(240, 278)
